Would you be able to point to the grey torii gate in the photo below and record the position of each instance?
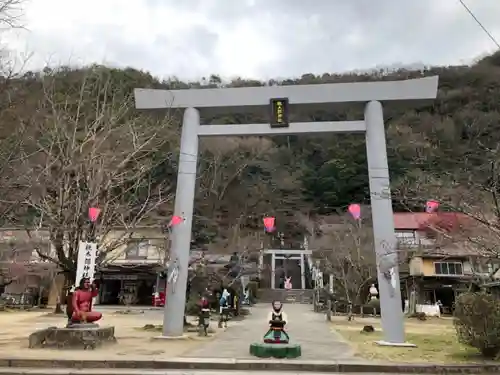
(277, 99)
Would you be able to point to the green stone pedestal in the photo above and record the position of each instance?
(262, 350)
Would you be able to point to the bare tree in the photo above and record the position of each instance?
(469, 213)
(10, 149)
(231, 186)
(347, 252)
(12, 62)
(13, 263)
(457, 163)
(6, 274)
(85, 146)
(11, 13)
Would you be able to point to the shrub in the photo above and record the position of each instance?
(477, 322)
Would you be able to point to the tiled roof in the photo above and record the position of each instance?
(421, 220)
(403, 220)
(410, 220)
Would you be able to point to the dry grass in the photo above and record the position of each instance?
(435, 339)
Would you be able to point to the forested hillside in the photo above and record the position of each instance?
(447, 150)
(51, 122)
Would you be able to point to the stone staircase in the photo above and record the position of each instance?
(304, 296)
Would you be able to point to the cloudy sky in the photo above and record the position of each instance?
(254, 38)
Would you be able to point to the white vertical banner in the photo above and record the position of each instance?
(86, 261)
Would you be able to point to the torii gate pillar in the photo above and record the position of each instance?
(326, 95)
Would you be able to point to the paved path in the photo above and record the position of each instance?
(307, 328)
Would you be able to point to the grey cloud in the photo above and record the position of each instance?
(315, 36)
(185, 55)
(406, 31)
(226, 11)
(203, 41)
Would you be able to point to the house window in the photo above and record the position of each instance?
(448, 268)
(137, 249)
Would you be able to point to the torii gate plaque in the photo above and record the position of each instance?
(325, 95)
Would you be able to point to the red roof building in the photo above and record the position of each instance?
(422, 221)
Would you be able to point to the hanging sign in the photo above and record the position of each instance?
(279, 113)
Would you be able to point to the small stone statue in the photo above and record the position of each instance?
(80, 310)
(224, 308)
(277, 321)
(246, 297)
(276, 341)
(373, 292)
(204, 316)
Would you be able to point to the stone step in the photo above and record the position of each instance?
(290, 296)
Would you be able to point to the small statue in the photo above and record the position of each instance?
(277, 321)
(81, 303)
(204, 316)
(246, 297)
(373, 292)
(224, 308)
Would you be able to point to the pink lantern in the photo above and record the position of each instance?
(431, 206)
(94, 213)
(355, 211)
(176, 220)
(269, 224)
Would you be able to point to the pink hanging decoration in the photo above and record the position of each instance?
(269, 224)
(355, 211)
(94, 213)
(431, 206)
(176, 220)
